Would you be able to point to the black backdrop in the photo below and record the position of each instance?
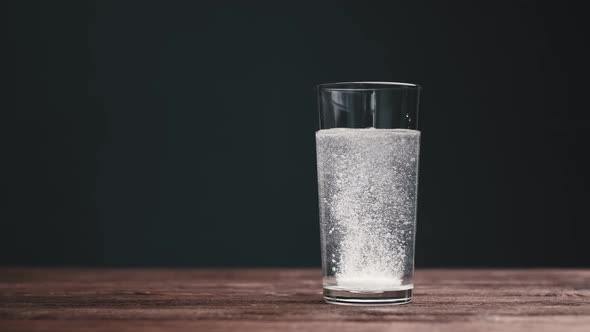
(181, 133)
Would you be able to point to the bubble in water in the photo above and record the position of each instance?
(368, 187)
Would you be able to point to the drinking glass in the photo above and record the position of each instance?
(367, 161)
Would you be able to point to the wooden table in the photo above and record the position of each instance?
(286, 300)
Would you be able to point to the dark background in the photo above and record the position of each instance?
(181, 133)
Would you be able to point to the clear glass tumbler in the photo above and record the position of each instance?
(367, 158)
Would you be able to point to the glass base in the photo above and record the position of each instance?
(348, 297)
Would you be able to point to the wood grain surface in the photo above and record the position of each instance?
(286, 300)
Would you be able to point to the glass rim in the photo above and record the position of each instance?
(367, 86)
